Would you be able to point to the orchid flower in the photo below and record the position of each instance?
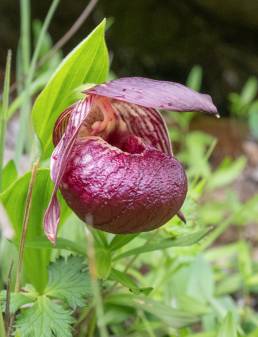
(113, 160)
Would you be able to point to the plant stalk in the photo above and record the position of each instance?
(25, 225)
(3, 113)
(8, 299)
(2, 329)
(24, 116)
(75, 27)
(95, 285)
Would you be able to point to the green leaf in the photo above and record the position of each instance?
(69, 281)
(228, 327)
(44, 243)
(88, 62)
(201, 283)
(13, 199)
(172, 317)
(253, 119)
(227, 172)
(103, 262)
(100, 238)
(46, 44)
(45, 319)
(229, 285)
(122, 278)
(197, 144)
(182, 241)
(203, 334)
(10, 174)
(17, 300)
(33, 88)
(249, 91)
(192, 305)
(194, 79)
(121, 240)
(128, 282)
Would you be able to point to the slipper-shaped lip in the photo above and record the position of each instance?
(121, 192)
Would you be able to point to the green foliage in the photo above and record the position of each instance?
(87, 63)
(172, 317)
(103, 262)
(44, 318)
(35, 261)
(51, 62)
(16, 302)
(4, 104)
(44, 243)
(253, 119)
(228, 327)
(245, 105)
(194, 79)
(123, 278)
(240, 103)
(10, 174)
(120, 240)
(226, 173)
(69, 281)
(173, 281)
(182, 241)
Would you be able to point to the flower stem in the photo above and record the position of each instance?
(25, 225)
(2, 329)
(95, 284)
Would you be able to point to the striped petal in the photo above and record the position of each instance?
(146, 123)
(155, 94)
(59, 161)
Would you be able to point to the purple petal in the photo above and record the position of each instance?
(155, 94)
(146, 123)
(59, 160)
(121, 192)
(61, 124)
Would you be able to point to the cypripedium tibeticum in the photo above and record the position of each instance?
(113, 160)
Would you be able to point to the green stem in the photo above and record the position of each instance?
(25, 225)
(24, 117)
(146, 324)
(24, 64)
(95, 285)
(92, 325)
(2, 329)
(3, 113)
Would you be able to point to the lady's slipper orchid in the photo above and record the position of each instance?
(113, 160)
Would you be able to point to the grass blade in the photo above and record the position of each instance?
(25, 225)
(24, 116)
(22, 71)
(2, 330)
(182, 241)
(3, 113)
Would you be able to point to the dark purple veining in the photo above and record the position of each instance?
(121, 192)
(113, 160)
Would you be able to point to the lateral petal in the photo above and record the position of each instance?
(59, 161)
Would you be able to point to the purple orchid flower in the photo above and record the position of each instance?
(113, 160)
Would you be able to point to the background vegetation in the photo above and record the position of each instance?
(194, 280)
